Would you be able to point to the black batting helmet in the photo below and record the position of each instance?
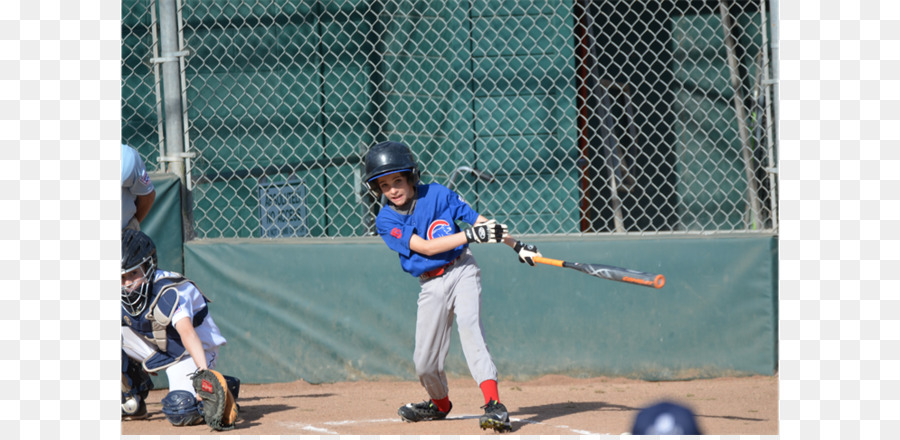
(387, 158)
(138, 251)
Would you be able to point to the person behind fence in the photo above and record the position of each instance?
(419, 223)
(166, 326)
(138, 193)
(665, 418)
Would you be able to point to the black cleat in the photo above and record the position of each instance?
(495, 417)
(419, 412)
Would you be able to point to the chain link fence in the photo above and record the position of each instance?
(141, 85)
(557, 117)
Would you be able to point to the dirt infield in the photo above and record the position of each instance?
(550, 405)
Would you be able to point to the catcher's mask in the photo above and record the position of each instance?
(138, 267)
(387, 158)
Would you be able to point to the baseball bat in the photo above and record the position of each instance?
(609, 272)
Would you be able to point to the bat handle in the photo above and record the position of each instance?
(550, 261)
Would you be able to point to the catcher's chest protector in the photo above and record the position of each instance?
(154, 326)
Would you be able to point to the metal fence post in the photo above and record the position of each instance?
(768, 84)
(175, 155)
(752, 192)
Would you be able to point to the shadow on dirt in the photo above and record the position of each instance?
(250, 414)
(541, 413)
(296, 396)
(746, 419)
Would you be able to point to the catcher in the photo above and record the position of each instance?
(166, 325)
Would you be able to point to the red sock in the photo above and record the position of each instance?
(442, 404)
(489, 389)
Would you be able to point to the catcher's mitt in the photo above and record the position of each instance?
(218, 407)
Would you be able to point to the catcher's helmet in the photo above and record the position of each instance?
(182, 409)
(389, 157)
(138, 252)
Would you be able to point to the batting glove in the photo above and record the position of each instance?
(527, 252)
(487, 232)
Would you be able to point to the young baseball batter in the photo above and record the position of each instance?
(419, 223)
(166, 325)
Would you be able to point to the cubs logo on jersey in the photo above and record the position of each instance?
(439, 228)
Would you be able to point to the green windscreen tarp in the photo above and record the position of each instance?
(335, 310)
(163, 222)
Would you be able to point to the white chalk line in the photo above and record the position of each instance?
(323, 430)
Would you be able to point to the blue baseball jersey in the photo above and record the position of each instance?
(435, 214)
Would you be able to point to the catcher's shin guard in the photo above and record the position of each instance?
(135, 381)
(234, 385)
(136, 386)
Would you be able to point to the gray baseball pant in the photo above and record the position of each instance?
(457, 291)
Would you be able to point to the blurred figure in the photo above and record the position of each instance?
(665, 418)
(138, 193)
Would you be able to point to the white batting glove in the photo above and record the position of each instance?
(487, 232)
(526, 252)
